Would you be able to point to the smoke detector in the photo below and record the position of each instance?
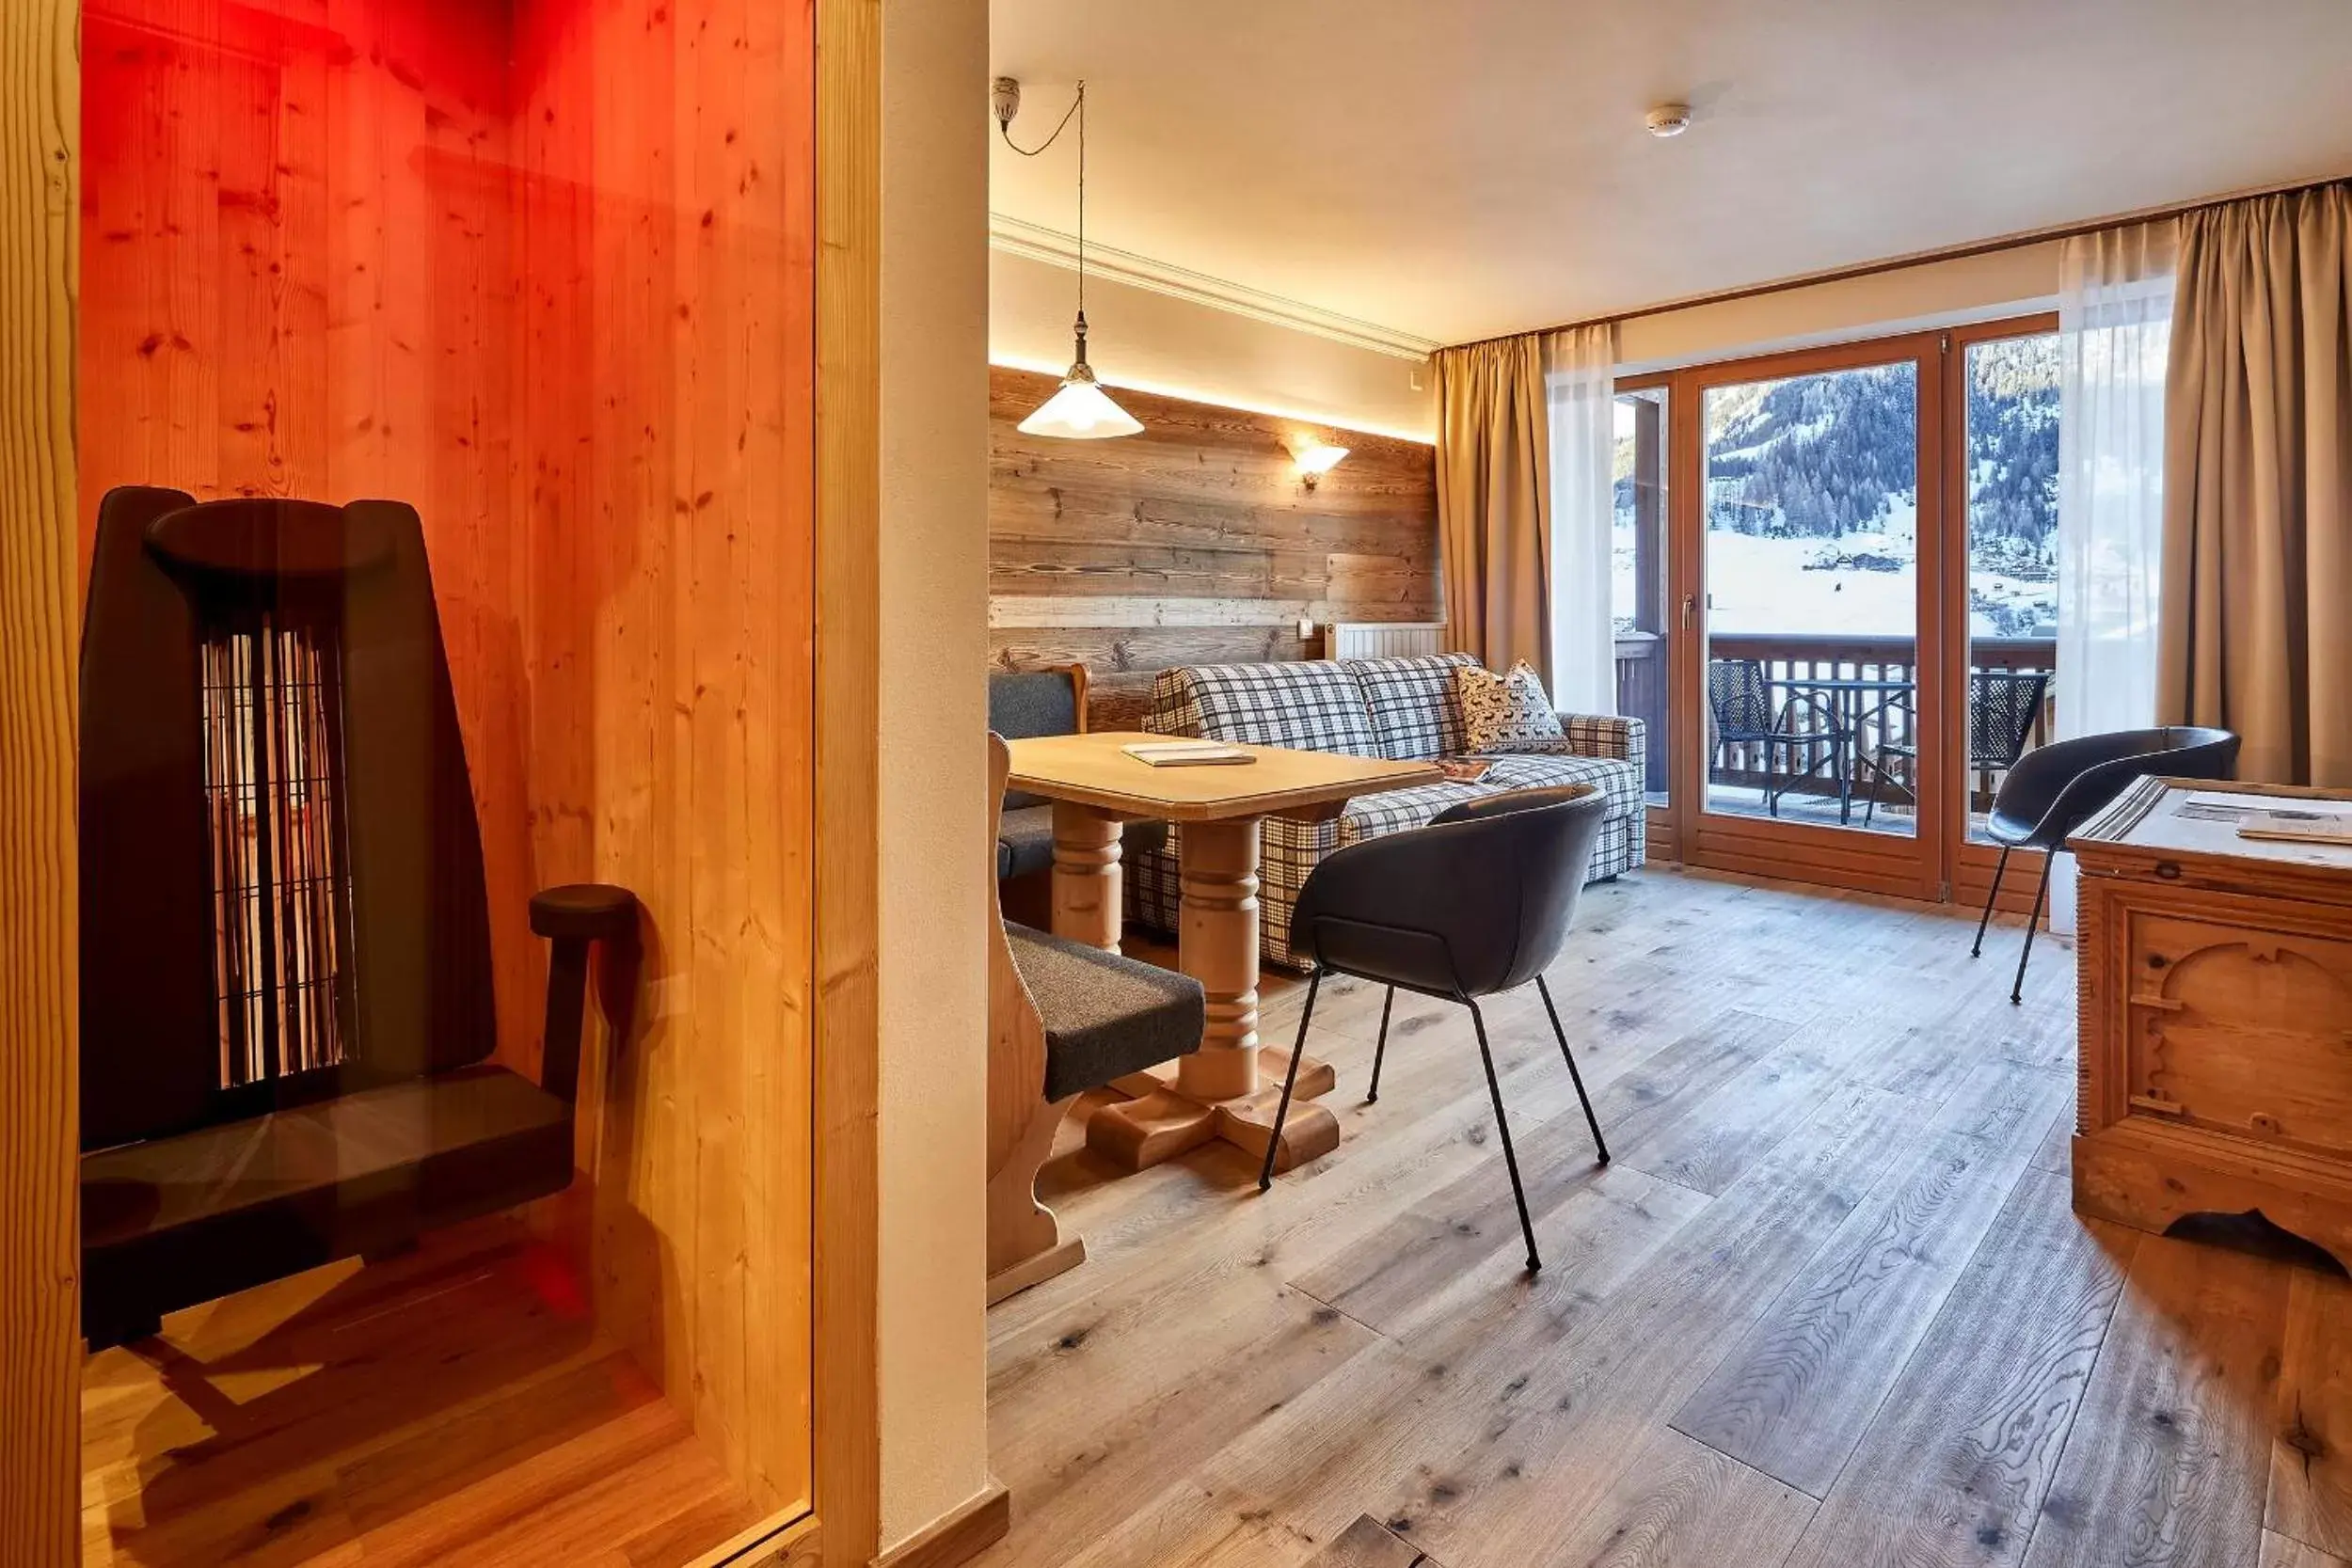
(1668, 119)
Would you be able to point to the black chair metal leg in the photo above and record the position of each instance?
(1290, 1081)
(1575, 1077)
(1976, 949)
(1380, 1050)
(2041, 890)
(1503, 1126)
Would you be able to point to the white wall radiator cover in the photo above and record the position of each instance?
(1383, 638)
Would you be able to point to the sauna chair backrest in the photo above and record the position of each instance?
(282, 891)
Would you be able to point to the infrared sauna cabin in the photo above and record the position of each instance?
(412, 444)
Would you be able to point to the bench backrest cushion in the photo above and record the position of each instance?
(1415, 710)
(1312, 705)
(1025, 704)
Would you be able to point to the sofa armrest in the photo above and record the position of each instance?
(1608, 736)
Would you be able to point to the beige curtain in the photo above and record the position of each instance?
(2256, 629)
(1494, 481)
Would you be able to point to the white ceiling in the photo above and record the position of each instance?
(1458, 168)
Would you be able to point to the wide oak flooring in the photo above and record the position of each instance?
(1829, 1307)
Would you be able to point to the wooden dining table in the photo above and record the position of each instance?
(1228, 1088)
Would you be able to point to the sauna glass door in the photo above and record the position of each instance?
(446, 446)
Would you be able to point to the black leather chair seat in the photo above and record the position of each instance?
(1025, 840)
(1105, 1016)
(224, 1208)
(2003, 828)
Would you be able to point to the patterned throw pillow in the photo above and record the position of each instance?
(1502, 711)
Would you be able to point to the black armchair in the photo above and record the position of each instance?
(2056, 788)
(1476, 903)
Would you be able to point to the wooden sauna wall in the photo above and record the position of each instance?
(668, 492)
(546, 274)
(1194, 541)
(287, 289)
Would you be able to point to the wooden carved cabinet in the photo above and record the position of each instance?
(2216, 1031)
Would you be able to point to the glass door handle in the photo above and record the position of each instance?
(1690, 610)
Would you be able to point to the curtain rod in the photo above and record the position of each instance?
(1920, 258)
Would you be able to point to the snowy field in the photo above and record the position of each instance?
(1784, 586)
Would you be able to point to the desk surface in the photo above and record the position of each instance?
(2154, 823)
(1092, 771)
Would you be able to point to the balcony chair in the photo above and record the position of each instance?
(1740, 700)
(2055, 788)
(1476, 903)
(2002, 707)
(287, 1018)
(1062, 1017)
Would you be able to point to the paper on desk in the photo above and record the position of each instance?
(2227, 805)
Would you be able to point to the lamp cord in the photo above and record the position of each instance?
(1077, 107)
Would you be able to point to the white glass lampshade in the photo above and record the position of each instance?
(1081, 411)
(1315, 457)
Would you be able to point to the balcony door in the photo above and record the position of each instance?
(1808, 516)
(1860, 595)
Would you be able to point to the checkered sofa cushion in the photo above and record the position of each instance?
(1229, 705)
(1310, 705)
(1413, 706)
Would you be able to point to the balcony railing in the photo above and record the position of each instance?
(1789, 660)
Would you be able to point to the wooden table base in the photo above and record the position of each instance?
(1230, 1087)
(1160, 1121)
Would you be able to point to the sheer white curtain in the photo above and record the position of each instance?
(2115, 334)
(1579, 386)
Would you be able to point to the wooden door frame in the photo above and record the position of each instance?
(1665, 824)
(1910, 867)
(39, 957)
(1969, 866)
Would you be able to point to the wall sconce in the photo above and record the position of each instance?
(1315, 460)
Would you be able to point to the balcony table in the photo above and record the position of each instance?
(1228, 1088)
(1846, 694)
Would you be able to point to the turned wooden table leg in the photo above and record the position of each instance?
(1217, 943)
(1086, 876)
(1228, 1088)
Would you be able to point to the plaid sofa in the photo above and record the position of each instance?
(1400, 708)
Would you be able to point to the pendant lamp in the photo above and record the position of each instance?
(1079, 410)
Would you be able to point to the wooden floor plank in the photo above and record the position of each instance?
(1793, 1397)
(2280, 1552)
(1953, 1468)
(1679, 1504)
(438, 1408)
(1555, 1416)
(1491, 1419)
(1435, 1243)
(2311, 1454)
(1365, 1544)
(2168, 1461)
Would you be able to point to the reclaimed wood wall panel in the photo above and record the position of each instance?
(1194, 541)
(39, 631)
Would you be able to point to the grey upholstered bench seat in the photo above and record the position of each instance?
(1105, 1016)
(1025, 840)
